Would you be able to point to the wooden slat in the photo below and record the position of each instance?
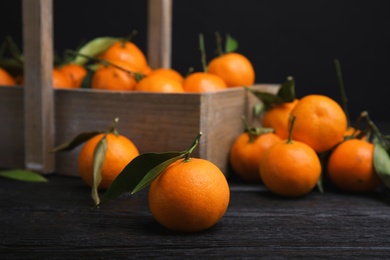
(12, 127)
(38, 98)
(159, 33)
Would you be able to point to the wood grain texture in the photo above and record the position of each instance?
(38, 91)
(12, 127)
(159, 33)
(54, 220)
(155, 122)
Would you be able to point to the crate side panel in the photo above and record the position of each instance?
(225, 122)
(154, 122)
(12, 127)
(222, 124)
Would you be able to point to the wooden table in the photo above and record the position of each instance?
(54, 220)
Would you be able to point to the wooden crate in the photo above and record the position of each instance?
(154, 122)
(35, 118)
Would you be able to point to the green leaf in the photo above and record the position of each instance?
(231, 45)
(382, 163)
(86, 83)
(98, 161)
(258, 109)
(93, 48)
(286, 92)
(268, 99)
(140, 171)
(154, 173)
(23, 175)
(79, 139)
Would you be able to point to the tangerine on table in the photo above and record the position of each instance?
(350, 166)
(75, 73)
(234, 68)
(189, 195)
(112, 78)
(6, 78)
(246, 154)
(203, 82)
(127, 52)
(320, 122)
(290, 169)
(120, 151)
(278, 117)
(159, 83)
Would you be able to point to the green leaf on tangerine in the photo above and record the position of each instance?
(23, 175)
(154, 173)
(86, 83)
(98, 160)
(286, 92)
(231, 44)
(382, 163)
(93, 48)
(79, 139)
(137, 172)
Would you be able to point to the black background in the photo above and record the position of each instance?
(282, 38)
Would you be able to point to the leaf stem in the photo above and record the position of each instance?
(218, 40)
(376, 131)
(292, 119)
(137, 75)
(112, 128)
(202, 52)
(193, 146)
(344, 98)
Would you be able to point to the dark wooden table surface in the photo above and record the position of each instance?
(54, 220)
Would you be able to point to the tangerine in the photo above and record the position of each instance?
(128, 52)
(350, 166)
(234, 68)
(278, 117)
(320, 122)
(75, 73)
(246, 154)
(60, 79)
(290, 168)
(6, 78)
(112, 78)
(159, 83)
(120, 151)
(190, 195)
(203, 82)
(169, 72)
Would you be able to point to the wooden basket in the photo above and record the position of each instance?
(35, 118)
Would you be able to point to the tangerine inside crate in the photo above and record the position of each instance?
(155, 122)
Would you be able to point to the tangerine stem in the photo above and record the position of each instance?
(112, 129)
(248, 130)
(218, 40)
(292, 119)
(374, 128)
(193, 146)
(202, 52)
(344, 98)
(129, 38)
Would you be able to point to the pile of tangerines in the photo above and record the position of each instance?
(306, 142)
(118, 64)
